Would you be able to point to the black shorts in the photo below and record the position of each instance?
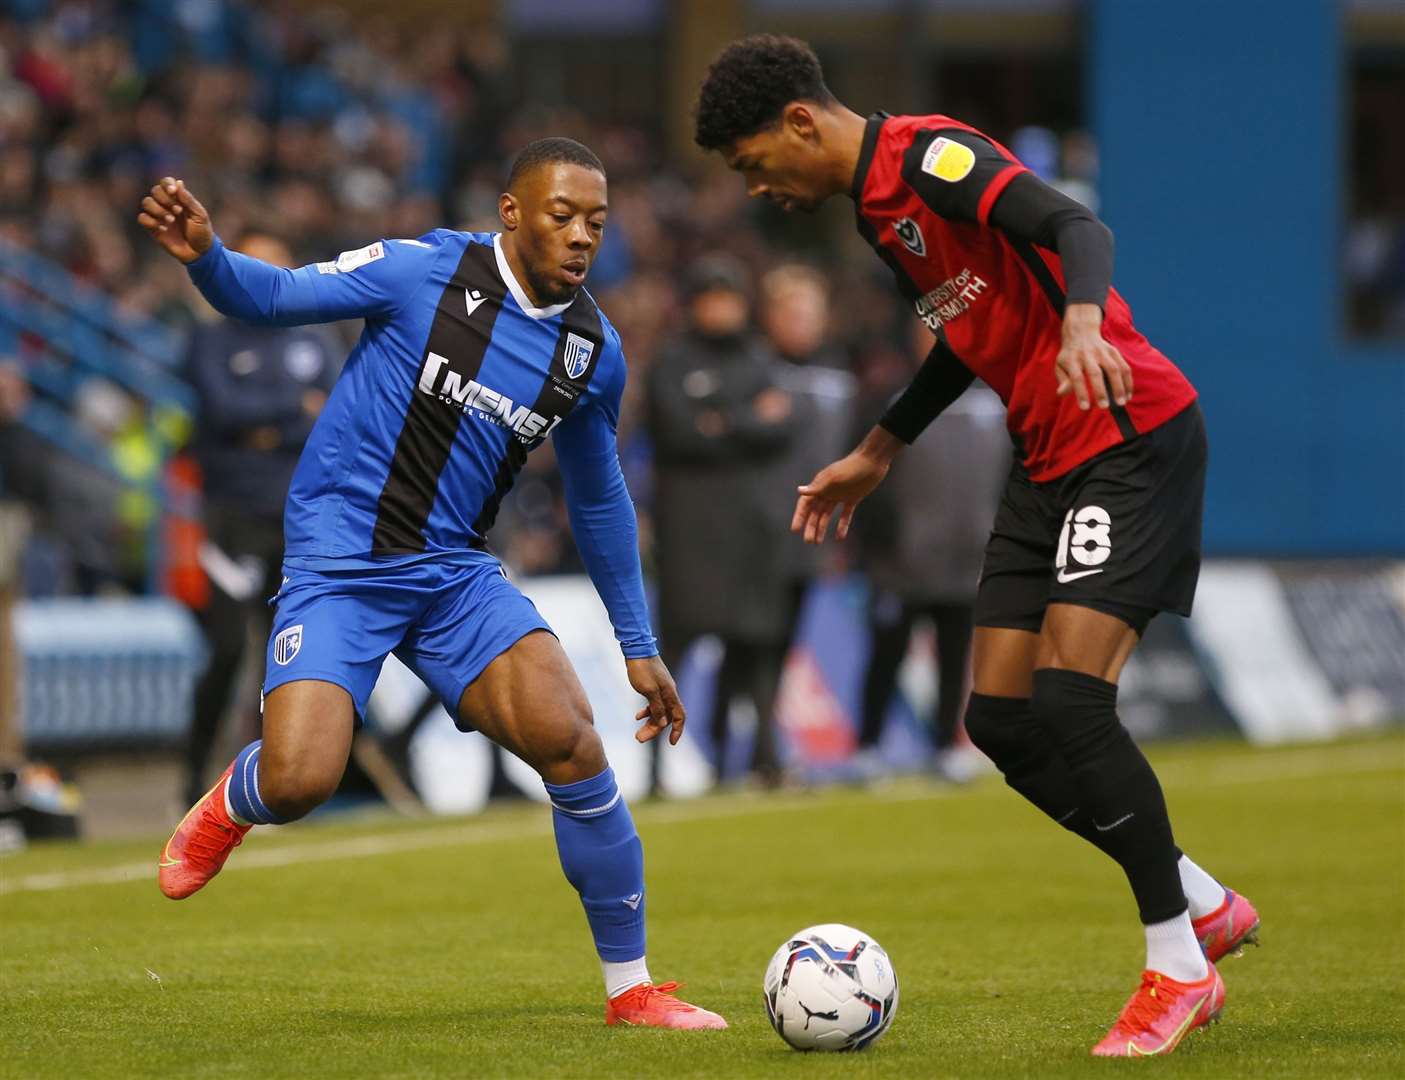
(1120, 533)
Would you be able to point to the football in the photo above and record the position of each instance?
(830, 987)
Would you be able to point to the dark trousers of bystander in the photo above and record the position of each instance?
(891, 621)
(245, 574)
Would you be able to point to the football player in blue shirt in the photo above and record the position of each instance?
(476, 347)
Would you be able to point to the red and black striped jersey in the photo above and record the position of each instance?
(924, 191)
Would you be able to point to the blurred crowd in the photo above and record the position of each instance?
(307, 133)
(324, 133)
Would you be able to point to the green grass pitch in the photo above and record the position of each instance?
(455, 948)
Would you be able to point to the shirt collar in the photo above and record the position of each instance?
(518, 293)
(866, 150)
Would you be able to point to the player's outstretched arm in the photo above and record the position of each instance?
(372, 282)
(840, 487)
(606, 533)
(607, 536)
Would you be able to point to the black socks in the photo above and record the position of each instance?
(1066, 752)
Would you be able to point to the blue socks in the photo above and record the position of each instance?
(242, 791)
(602, 857)
(595, 837)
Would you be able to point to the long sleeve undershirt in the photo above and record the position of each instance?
(1027, 209)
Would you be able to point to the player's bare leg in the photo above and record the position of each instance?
(529, 701)
(307, 731)
(295, 767)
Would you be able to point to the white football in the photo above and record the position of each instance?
(830, 987)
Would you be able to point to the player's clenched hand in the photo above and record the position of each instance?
(840, 488)
(1087, 366)
(176, 220)
(650, 678)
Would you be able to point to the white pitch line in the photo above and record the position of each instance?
(1302, 764)
(286, 854)
(1290, 765)
(357, 847)
(1256, 774)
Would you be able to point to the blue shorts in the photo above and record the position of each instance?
(446, 619)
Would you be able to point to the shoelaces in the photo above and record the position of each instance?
(1146, 1005)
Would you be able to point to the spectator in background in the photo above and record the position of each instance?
(99, 502)
(720, 421)
(795, 318)
(921, 545)
(259, 390)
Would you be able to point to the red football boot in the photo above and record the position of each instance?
(1160, 1014)
(1228, 928)
(647, 1005)
(202, 841)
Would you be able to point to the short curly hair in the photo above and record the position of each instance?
(750, 84)
(556, 150)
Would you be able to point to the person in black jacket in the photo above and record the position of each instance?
(718, 418)
(259, 390)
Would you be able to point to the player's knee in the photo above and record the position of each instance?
(571, 752)
(1003, 729)
(995, 724)
(1078, 711)
(293, 790)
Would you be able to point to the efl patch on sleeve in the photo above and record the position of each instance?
(348, 261)
(948, 160)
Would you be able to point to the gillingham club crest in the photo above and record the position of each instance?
(286, 645)
(577, 355)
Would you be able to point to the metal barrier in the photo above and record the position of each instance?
(106, 671)
(84, 324)
(65, 331)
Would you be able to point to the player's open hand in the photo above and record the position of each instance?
(664, 711)
(176, 220)
(839, 488)
(1087, 365)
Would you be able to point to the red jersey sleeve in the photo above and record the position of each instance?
(957, 173)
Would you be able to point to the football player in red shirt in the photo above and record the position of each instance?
(1099, 526)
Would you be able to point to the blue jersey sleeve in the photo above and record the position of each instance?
(602, 513)
(371, 282)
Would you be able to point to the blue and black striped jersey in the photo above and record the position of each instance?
(455, 379)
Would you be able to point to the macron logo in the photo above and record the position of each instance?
(633, 902)
(473, 300)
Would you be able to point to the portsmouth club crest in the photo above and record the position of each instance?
(911, 236)
(286, 645)
(577, 355)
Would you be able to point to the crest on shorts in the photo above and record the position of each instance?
(286, 645)
(577, 354)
